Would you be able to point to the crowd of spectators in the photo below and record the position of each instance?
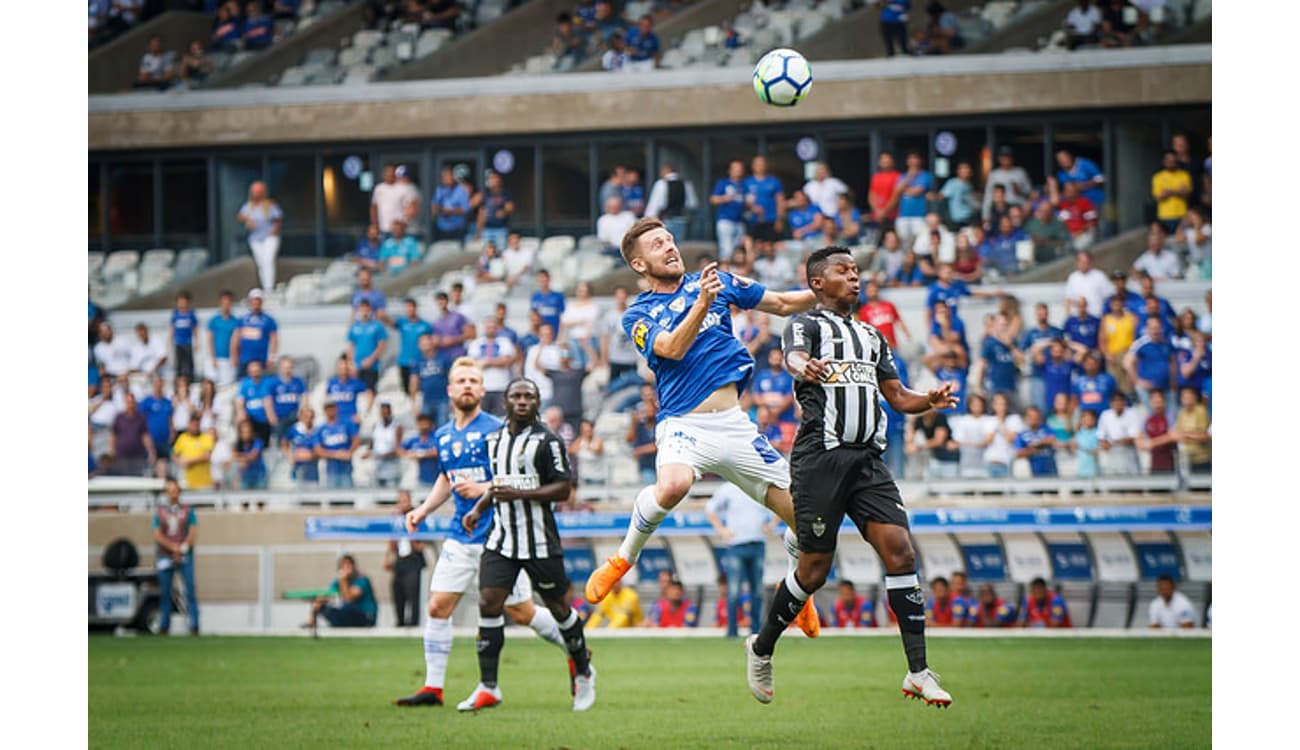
(1114, 23)
(386, 15)
(601, 28)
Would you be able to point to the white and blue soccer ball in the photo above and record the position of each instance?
(782, 78)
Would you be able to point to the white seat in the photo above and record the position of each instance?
(1026, 558)
(358, 74)
(693, 560)
(442, 249)
(383, 57)
(94, 262)
(592, 267)
(1197, 554)
(304, 289)
(159, 256)
(589, 243)
(293, 76)
(120, 261)
(367, 38)
(938, 555)
(353, 56)
(1114, 558)
(190, 261)
(153, 278)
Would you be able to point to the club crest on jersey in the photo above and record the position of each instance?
(457, 448)
(639, 331)
(818, 527)
(678, 304)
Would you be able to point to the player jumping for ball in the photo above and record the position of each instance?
(843, 368)
(682, 326)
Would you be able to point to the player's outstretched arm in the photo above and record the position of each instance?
(787, 303)
(908, 401)
(437, 496)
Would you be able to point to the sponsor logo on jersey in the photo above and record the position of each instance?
(639, 331)
(710, 320)
(468, 474)
(797, 334)
(517, 481)
(654, 311)
(849, 373)
(741, 281)
(693, 286)
(678, 304)
(472, 436)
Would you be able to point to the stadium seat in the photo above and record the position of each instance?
(1026, 558)
(1197, 554)
(938, 555)
(353, 56)
(1113, 557)
(153, 278)
(367, 38)
(1078, 601)
(383, 57)
(304, 289)
(120, 261)
(442, 249)
(857, 561)
(358, 75)
(94, 262)
(693, 561)
(159, 256)
(293, 76)
(190, 261)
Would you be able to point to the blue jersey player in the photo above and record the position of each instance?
(682, 327)
(466, 475)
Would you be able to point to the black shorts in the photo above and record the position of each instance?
(496, 571)
(827, 485)
(762, 231)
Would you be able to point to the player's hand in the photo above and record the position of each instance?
(468, 489)
(710, 283)
(413, 520)
(941, 397)
(815, 370)
(469, 521)
(726, 534)
(503, 492)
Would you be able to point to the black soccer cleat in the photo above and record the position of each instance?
(427, 696)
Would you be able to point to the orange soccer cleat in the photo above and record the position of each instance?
(602, 578)
(808, 621)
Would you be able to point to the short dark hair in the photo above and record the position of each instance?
(528, 381)
(1165, 577)
(349, 558)
(1039, 581)
(818, 260)
(185, 295)
(410, 301)
(441, 295)
(628, 248)
(226, 293)
(939, 579)
(458, 285)
(846, 582)
(564, 18)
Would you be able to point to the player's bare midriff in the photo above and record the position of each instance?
(720, 400)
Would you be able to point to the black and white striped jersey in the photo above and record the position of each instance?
(531, 458)
(846, 408)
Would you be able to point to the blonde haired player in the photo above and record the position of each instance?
(465, 477)
(682, 327)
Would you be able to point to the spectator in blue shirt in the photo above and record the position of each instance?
(221, 332)
(774, 389)
(806, 222)
(367, 341)
(410, 327)
(1150, 362)
(1081, 329)
(608, 23)
(949, 290)
(947, 334)
(299, 445)
(1085, 173)
(764, 203)
(908, 272)
(253, 401)
(959, 195)
(248, 454)
(1133, 302)
(912, 188)
(495, 211)
(259, 29)
(999, 250)
(548, 303)
(1038, 444)
(184, 323)
(1000, 361)
(400, 251)
(429, 380)
(257, 339)
(367, 253)
(1034, 342)
(632, 192)
(1094, 386)
(952, 370)
(336, 441)
(366, 291)
(227, 27)
(1194, 365)
(157, 411)
(450, 207)
(728, 200)
(642, 45)
(343, 388)
(893, 25)
(423, 449)
(286, 391)
(1056, 370)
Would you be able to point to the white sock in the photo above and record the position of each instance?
(544, 624)
(791, 540)
(646, 517)
(437, 647)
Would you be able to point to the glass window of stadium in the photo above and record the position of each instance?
(686, 155)
(566, 190)
(131, 205)
(723, 151)
(1139, 144)
(628, 154)
(953, 146)
(898, 142)
(234, 175)
(848, 157)
(291, 182)
(96, 223)
(518, 168)
(184, 204)
(787, 164)
(345, 187)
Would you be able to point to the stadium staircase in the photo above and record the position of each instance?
(238, 275)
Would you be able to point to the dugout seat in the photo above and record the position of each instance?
(857, 561)
(1117, 574)
(693, 561)
(1026, 558)
(1197, 554)
(937, 555)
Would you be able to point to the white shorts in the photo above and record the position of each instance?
(725, 443)
(457, 570)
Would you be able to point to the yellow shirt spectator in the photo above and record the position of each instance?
(1170, 188)
(622, 609)
(1118, 330)
(194, 452)
(1194, 420)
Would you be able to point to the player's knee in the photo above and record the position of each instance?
(440, 610)
(901, 558)
(670, 490)
(813, 570)
(489, 606)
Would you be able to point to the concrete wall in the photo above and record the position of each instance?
(863, 90)
(112, 67)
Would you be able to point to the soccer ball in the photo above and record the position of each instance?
(782, 78)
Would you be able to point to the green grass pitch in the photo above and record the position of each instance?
(651, 693)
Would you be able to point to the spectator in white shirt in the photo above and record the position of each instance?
(1170, 609)
(494, 351)
(1004, 427)
(1013, 179)
(542, 356)
(947, 250)
(824, 191)
(972, 432)
(672, 200)
(1117, 432)
(613, 224)
(113, 354)
(1082, 24)
(147, 355)
(1088, 282)
(518, 259)
(389, 199)
(1159, 262)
